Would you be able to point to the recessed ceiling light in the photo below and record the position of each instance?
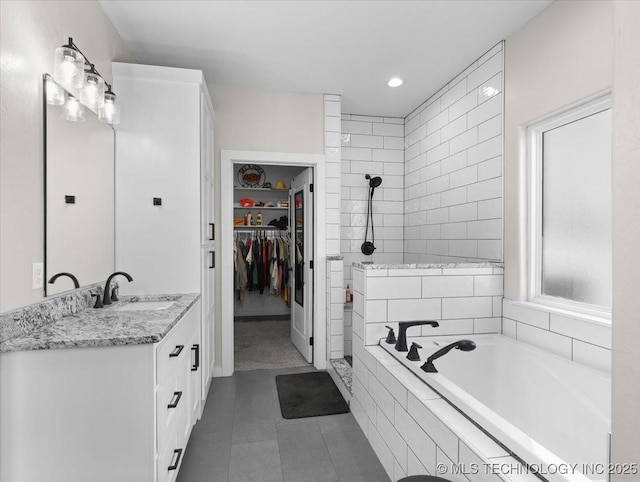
(395, 82)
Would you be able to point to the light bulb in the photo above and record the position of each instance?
(55, 94)
(92, 92)
(68, 69)
(73, 110)
(110, 110)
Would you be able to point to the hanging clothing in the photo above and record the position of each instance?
(241, 269)
(262, 263)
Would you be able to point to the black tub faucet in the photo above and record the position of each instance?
(73, 278)
(464, 345)
(107, 287)
(401, 344)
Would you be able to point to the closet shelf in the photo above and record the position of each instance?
(261, 208)
(264, 189)
(267, 228)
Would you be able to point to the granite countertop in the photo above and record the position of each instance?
(426, 265)
(107, 326)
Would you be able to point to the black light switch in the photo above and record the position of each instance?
(157, 201)
(69, 199)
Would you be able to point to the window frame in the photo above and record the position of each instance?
(535, 160)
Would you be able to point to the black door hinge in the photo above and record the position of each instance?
(311, 341)
(311, 264)
(310, 187)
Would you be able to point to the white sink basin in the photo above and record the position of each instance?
(145, 305)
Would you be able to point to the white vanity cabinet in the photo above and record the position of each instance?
(164, 188)
(101, 414)
(177, 386)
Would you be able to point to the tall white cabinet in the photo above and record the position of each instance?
(164, 189)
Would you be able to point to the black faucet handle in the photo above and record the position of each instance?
(114, 294)
(391, 336)
(413, 352)
(98, 300)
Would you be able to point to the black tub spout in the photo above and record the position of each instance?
(401, 344)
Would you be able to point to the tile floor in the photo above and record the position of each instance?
(242, 437)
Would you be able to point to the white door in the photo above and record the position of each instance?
(301, 228)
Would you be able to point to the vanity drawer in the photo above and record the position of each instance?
(172, 405)
(170, 459)
(173, 353)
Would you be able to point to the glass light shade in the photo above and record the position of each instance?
(92, 91)
(73, 110)
(68, 69)
(110, 111)
(56, 95)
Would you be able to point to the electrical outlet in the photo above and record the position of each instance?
(38, 275)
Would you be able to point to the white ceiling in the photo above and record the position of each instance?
(345, 47)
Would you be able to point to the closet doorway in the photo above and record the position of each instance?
(267, 297)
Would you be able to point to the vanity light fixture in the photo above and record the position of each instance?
(56, 95)
(110, 111)
(92, 90)
(68, 69)
(73, 110)
(395, 82)
(76, 73)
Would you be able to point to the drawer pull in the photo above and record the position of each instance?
(213, 233)
(177, 350)
(175, 400)
(213, 259)
(174, 466)
(196, 365)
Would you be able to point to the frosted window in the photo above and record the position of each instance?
(576, 210)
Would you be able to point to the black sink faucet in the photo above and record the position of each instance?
(107, 287)
(401, 344)
(464, 345)
(73, 278)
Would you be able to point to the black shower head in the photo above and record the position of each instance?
(373, 181)
(462, 345)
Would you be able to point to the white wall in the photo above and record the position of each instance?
(261, 120)
(372, 145)
(264, 120)
(30, 31)
(453, 168)
(568, 53)
(626, 227)
(561, 57)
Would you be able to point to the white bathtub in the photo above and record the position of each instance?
(551, 412)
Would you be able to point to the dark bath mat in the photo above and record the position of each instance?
(310, 394)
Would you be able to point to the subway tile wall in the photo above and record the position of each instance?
(453, 168)
(335, 308)
(372, 145)
(348, 331)
(465, 300)
(570, 336)
(332, 151)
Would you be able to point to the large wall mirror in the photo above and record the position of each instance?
(79, 194)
